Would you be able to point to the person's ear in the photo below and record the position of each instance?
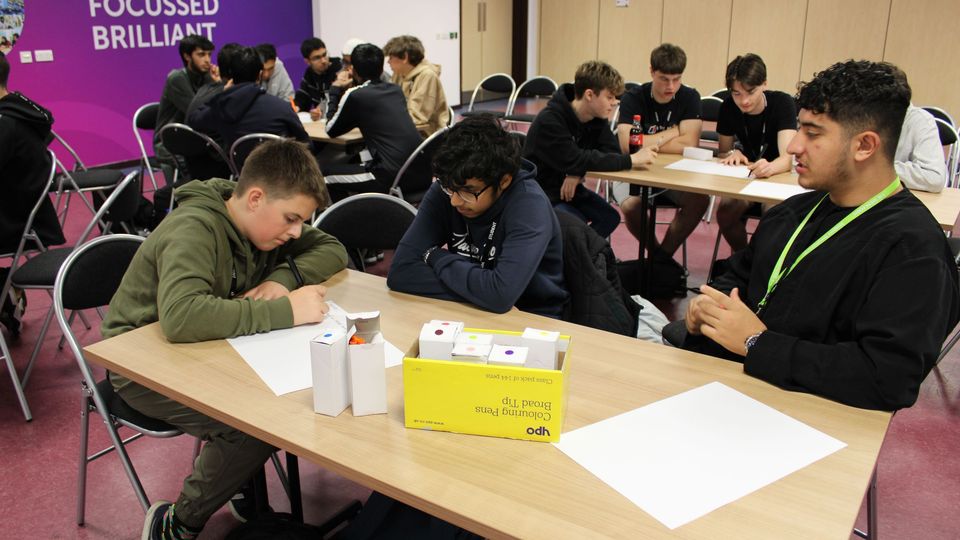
(866, 144)
(505, 181)
(255, 198)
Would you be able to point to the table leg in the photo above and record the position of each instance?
(293, 477)
(646, 232)
(260, 493)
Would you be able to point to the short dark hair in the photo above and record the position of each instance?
(597, 76)
(748, 70)
(246, 65)
(267, 51)
(367, 61)
(4, 70)
(283, 169)
(405, 46)
(860, 95)
(668, 59)
(191, 43)
(311, 44)
(476, 147)
(225, 59)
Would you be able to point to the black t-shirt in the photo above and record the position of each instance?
(657, 117)
(760, 130)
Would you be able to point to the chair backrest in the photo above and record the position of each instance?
(241, 148)
(710, 108)
(415, 176)
(118, 207)
(145, 119)
(499, 83)
(937, 112)
(540, 86)
(630, 85)
(451, 119)
(367, 221)
(950, 140)
(88, 278)
(77, 163)
(205, 159)
(28, 231)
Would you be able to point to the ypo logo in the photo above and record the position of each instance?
(542, 431)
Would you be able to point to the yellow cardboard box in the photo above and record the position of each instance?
(481, 399)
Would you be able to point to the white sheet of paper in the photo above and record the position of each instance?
(773, 190)
(710, 167)
(304, 117)
(685, 456)
(282, 357)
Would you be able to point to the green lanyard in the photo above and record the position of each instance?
(780, 273)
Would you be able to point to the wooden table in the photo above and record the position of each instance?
(945, 206)
(317, 132)
(501, 487)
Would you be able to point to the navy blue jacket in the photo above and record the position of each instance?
(524, 270)
(244, 109)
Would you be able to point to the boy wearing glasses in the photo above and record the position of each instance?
(485, 232)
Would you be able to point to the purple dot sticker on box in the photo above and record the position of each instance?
(504, 355)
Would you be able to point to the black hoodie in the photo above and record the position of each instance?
(560, 145)
(24, 168)
(246, 108)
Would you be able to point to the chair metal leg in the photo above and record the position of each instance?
(127, 464)
(82, 473)
(17, 387)
(713, 258)
(281, 473)
(39, 344)
(947, 346)
(83, 319)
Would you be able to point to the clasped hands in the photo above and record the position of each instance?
(724, 319)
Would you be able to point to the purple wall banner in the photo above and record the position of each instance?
(109, 57)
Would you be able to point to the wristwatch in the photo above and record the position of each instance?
(750, 342)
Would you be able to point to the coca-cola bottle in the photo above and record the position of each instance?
(636, 134)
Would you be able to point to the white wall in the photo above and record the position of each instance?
(533, 38)
(336, 21)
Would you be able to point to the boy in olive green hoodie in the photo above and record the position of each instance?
(215, 268)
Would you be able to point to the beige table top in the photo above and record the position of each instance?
(317, 132)
(502, 487)
(945, 206)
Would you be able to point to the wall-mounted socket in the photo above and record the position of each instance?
(43, 55)
(26, 57)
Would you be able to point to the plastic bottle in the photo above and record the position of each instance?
(636, 134)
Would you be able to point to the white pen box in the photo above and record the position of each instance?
(366, 361)
(471, 352)
(507, 355)
(438, 337)
(331, 378)
(543, 347)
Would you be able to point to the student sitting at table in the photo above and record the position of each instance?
(485, 232)
(275, 79)
(244, 107)
(215, 268)
(380, 111)
(670, 114)
(420, 82)
(763, 122)
(572, 136)
(320, 73)
(847, 291)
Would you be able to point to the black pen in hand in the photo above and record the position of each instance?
(296, 271)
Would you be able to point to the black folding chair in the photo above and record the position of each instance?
(367, 221)
(415, 176)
